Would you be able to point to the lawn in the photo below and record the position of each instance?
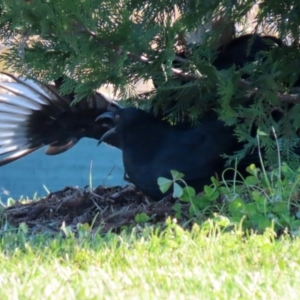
(147, 263)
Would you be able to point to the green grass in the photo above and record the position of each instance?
(150, 264)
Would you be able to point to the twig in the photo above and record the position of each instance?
(243, 84)
(142, 58)
(294, 98)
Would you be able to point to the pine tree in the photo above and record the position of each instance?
(92, 43)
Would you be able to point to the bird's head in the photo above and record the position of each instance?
(123, 119)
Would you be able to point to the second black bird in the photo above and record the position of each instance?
(151, 148)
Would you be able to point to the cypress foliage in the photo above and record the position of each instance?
(94, 42)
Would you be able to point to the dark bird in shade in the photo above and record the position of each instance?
(237, 53)
(243, 50)
(151, 148)
(34, 115)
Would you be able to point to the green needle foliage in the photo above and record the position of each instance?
(120, 42)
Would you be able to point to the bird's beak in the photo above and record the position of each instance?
(106, 134)
(107, 115)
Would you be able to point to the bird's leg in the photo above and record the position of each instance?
(126, 177)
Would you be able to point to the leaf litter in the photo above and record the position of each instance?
(104, 209)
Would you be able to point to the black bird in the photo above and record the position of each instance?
(238, 53)
(243, 50)
(33, 115)
(151, 148)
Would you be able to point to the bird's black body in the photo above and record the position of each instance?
(151, 148)
(243, 50)
(237, 53)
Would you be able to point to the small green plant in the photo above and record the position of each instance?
(188, 193)
(142, 218)
(261, 199)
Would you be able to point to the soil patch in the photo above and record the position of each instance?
(103, 208)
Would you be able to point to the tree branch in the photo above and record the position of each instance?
(243, 84)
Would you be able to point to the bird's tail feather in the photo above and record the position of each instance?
(33, 115)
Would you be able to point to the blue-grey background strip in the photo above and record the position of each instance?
(72, 168)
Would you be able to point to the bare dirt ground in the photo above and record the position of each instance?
(104, 209)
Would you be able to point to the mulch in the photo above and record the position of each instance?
(104, 209)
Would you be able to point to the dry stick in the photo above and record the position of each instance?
(289, 98)
(243, 84)
(141, 58)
